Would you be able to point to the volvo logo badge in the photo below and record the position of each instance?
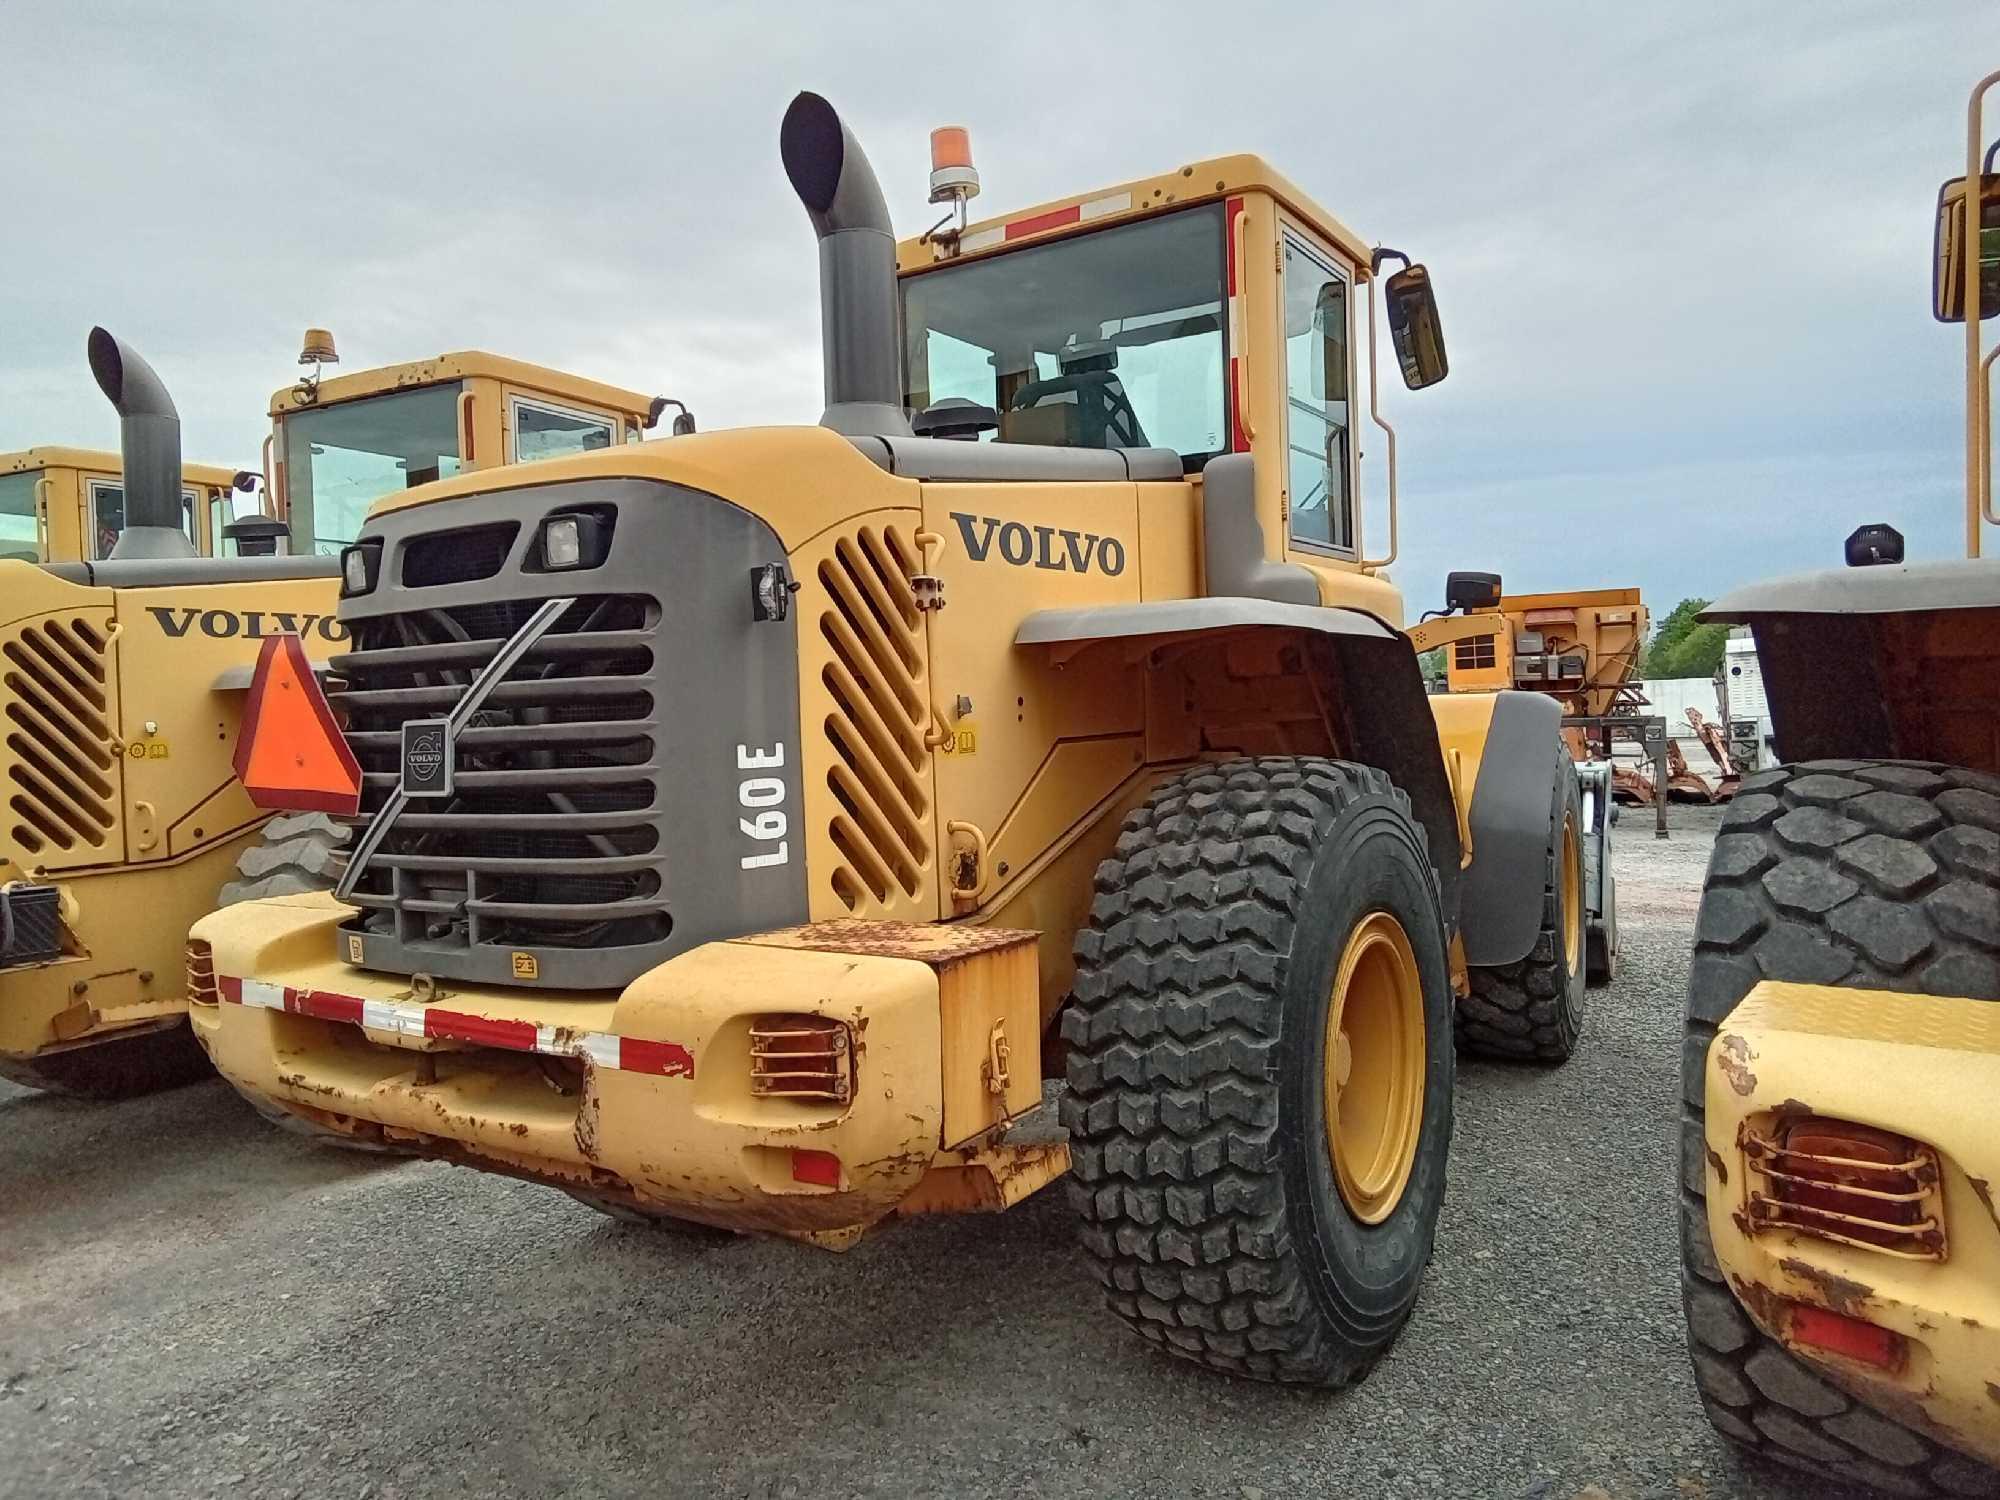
(427, 758)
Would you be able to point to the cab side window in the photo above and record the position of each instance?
(1316, 404)
(544, 430)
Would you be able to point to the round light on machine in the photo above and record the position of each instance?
(562, 541)
(953, 177)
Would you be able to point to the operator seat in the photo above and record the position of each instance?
(1096, 411)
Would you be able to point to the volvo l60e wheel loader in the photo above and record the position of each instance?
(122, 680)
(1841, 1121)
(756, 829)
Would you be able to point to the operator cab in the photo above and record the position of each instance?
(346, 443)
(1208, 312)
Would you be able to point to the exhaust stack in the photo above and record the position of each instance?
(860, 323)
(149, 440)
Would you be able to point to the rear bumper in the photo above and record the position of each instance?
(1916, 1065)
(645, 1094)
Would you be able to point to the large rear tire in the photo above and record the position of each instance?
(1872, 874)
(1532, 1010)
(1260, 1068)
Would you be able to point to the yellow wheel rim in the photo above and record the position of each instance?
(1374, 1083)
(1572, 894)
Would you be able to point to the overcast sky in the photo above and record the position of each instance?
(1681, 250)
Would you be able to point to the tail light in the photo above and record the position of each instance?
(801, 1057)
(1848, 1183)
(1853, 1338)
(201, 986)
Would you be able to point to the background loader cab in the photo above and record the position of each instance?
(68, 505)
(338, 445)
(757, 828)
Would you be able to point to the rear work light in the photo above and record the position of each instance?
(1852, 1184)
(810, 1058)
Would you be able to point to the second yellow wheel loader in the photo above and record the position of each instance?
(775, 829)
(124, 662)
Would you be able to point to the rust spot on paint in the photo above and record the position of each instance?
(1715, 1163)
(1840, 1293)
(1792, 1109)
(1733, 1056)
(1985, 1190)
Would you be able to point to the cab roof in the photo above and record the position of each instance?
(97, 461)
(1199, 182)
(466, 364)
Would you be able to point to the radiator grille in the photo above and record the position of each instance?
(62, 789)
(550, 838)
(462, 556)
(878, 714)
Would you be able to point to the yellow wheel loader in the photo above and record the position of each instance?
(1023, 769)
(123, 664)
(68, 505)
(1841, 1118)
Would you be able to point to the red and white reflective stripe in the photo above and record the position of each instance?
(1055, 218)
(1239, 440)
(625, 1054)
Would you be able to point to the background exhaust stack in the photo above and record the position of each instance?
(150, 441)
(860, 325)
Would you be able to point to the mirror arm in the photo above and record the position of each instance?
(1382, 255)
(1375, 415)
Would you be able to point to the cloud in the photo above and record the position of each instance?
(1682, 252)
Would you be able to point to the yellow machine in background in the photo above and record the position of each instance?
(121, 819)
(1581, 648)
(1841, 1112)
(68, 505)
(763, 830)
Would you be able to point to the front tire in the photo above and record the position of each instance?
(1532, 1010)
(1260, 1068)
(1869, 874)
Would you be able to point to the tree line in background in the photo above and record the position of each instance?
(1683, 646)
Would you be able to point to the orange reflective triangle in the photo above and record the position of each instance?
(290, 755)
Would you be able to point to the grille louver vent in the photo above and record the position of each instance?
(880, 708)
(61, 766)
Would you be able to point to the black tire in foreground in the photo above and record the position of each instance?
(1532, 1010)
(119, 1067)
(1265, 952)
(1867, 874)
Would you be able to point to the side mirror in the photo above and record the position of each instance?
(1470, 591)
(1415, 327)
(1950, 244)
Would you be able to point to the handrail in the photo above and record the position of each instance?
(1978, 500)
(1986, 436)
(44, 487)
(1375, 415)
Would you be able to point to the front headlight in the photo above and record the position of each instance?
(360, 566)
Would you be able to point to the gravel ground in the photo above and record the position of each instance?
(193, 1303)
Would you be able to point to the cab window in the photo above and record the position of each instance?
(1112, 339)
(542, 430)
(20, 535)
(339, 460)
(1317, 438)
(107, 515)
